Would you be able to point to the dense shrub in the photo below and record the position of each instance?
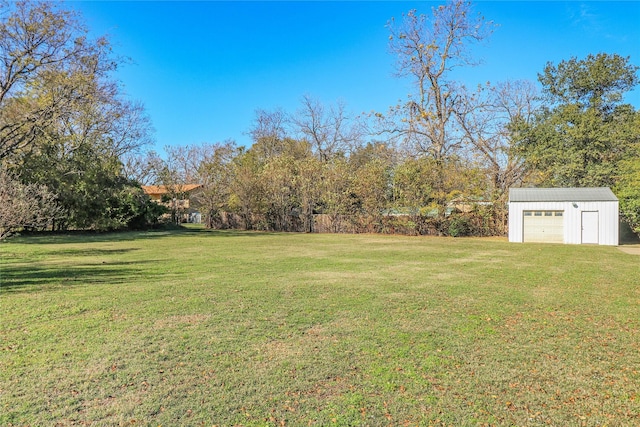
(459, 226)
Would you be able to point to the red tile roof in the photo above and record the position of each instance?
(163, 189)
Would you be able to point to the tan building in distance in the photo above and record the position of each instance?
(178, 204)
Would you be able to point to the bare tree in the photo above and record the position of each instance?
(180, 168)
(329, 131)
(143, 168)
(123, 126)
(428, 49)
(268, 132)
(182, 164)
(487, 118)
(24, 206)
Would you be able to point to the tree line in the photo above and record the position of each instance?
(441, 161)
(65, 125)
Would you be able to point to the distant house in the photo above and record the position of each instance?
(157, 192)
(176, 198)
(563, 215)
(466, 204)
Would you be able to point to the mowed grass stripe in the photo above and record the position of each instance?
(200, 327)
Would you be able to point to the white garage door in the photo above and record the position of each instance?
(543, 226)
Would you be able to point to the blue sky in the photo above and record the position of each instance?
(202, 68)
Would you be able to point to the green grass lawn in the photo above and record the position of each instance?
(210, 328)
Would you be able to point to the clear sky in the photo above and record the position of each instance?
(202, 68)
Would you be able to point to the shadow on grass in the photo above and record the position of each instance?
(89, 252)
(48, 237)
(234, 233)
(30, 278)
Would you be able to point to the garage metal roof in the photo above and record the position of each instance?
(595, 194)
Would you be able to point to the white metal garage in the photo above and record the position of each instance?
(563, 215)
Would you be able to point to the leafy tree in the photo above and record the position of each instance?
(135, 209)
(628, 186)
(309, 190)
(289, 186)
(278, 178)
(90, 189)
(596, 82)
(63, 120)
(78, 155)
(370, 189)
(44, 57)
(415, 190)
(274, 185)
(582, 137)
(247, 189)
(412, 191)
(215, 176)
(336, 198)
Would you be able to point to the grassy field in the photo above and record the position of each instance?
(255, 329)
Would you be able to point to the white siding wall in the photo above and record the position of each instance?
(607, 217)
